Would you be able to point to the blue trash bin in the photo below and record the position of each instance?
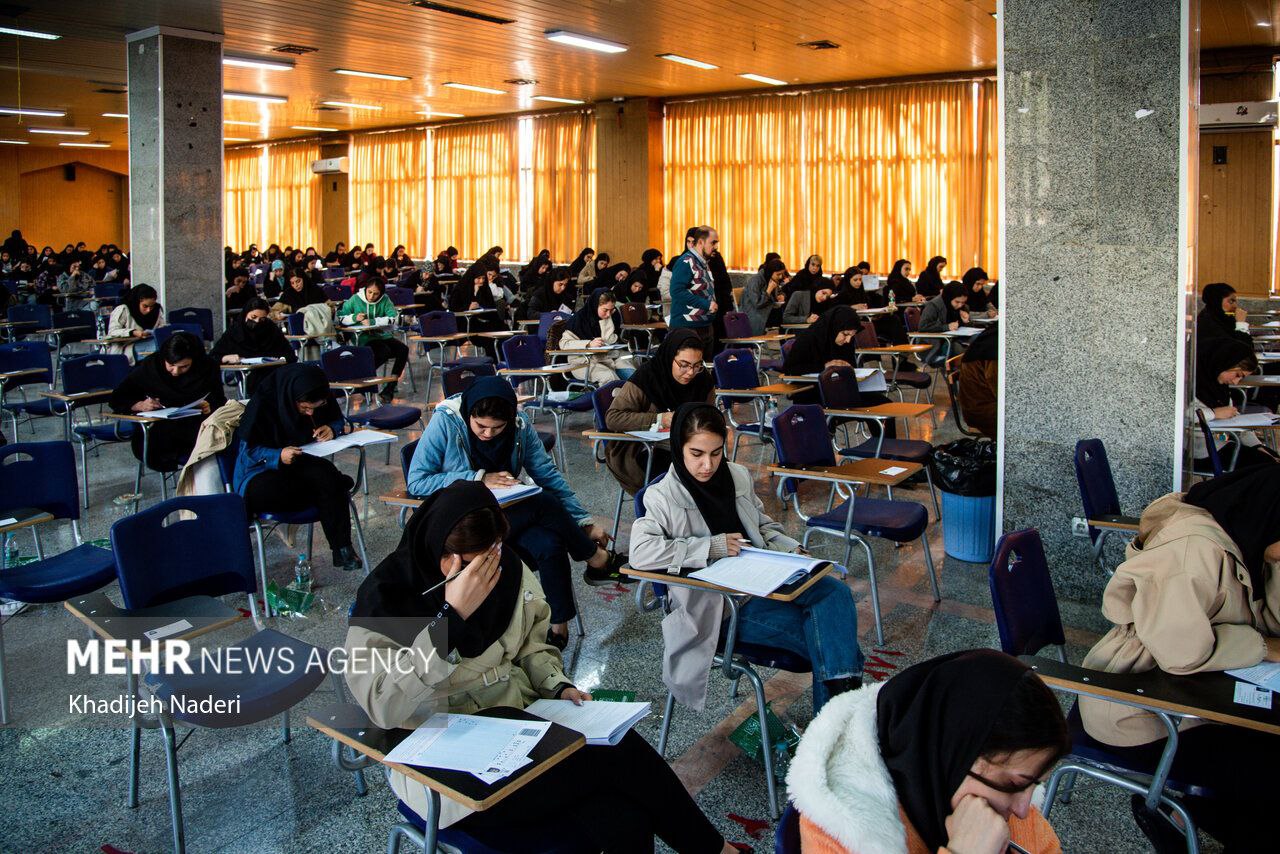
(969, 526)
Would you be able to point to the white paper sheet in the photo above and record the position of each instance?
(893, 470)
(184, 411)
(601, 723)
(260, 360)
(348, 440)
(1266, 674)
(871, 379)
(757, 571)
(493, 747)
(1258, 419)
(965, 331)
(650, 435)
(514, 493)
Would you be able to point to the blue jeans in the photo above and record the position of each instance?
(545, 536)
(821, 625)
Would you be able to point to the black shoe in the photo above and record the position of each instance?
(1160, 832)
(608, 574)
(559, 641)
(345, 559)
(387, 395)
(840, 686)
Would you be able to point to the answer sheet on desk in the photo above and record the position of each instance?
(477, 745)
(347, 440)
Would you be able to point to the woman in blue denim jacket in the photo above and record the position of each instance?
(478, 435)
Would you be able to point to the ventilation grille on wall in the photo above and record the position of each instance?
(295, 49)
(820, 44)
(105, 91)
(460, 12)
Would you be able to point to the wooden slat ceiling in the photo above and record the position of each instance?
(877, 38)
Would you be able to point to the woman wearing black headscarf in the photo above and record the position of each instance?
(650, 269)
(648, 401)
(1199, 592)
(178, 374)
(929, 283)
(252, 335)
(534, 274)
(584, 258)
(557, 294)
(634, 288)
(612, 277)
(975, 283)
(300, 293)
(827, 343)
(1221, 363)
(1222, 316)
(293, 407)
(899, 285)
(491, 617)
(809, 278)
(471, 293)
(590, 272)
(945, 312)
(138, 313)
(944, 756)
(705, 508)
(597, 324)
(428, 290)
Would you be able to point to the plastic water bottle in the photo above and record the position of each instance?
(11, 552)
(893, 300)
(302, 574)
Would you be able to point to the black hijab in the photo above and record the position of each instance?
(1246, 503)
(646, 270)
(929, 284)
(391, 601)
(660, 387)
(134, 297)
(311, 294)
(465, 291)
(715, 498)
(608, 277)
(816, 346)
(623, 292)
(978, 300)
(1213, 356)
(803, 280)
(149, 378)
(585, 322)
(933, 720)
(272, 419)
(985, 346)
(1213, 321)
(253, 340)
(899, 284)
(951, 291)
(581, 261)
(495, 454)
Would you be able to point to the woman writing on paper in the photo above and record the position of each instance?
(293, 407)
(371, 306)
(827, 344)
(253, 335)
(1220, 365)
(597, 324)
(478, 642)
(479, 436)
(704, 509)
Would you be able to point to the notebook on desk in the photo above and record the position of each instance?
(507, 494)
(602, 723)
(171, 412)
(759, 571)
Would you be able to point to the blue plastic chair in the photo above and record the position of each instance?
(209, 555)
(545, 321)
(42, 476)
(399, 295)
(736, 368)
(802, 440)
(201, 317)
(349, 364)
(23, 356)
(82, 375)
(33, 316)
(737, 324)
(526, 353)
(489, 838)
(786, 836)
(79, 324)
(458, 379)
(164, 333)
(1099, 496)
(434, 324)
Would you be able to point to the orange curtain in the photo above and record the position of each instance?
(388, 191)
(875, 173)
(293, 195)
(242, 205)
(475, 188)
(564, 183)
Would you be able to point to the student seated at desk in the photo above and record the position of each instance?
(1199, 591)
(292, 407)
(979, 381)
(762, 297)
(428, 290)
(929, 282)
(371, 305)
(470, 293)
(238, 291)
(634, 287)
(829, 344)
(704, 509)
(478, 643)
(301, 292)
(975, 282)
(806, 306)
(138, 313)
(1220, 364)
(1222, 316)
(558, 294)
(889, 327)
(252, 335)
(944, 757)
(649, 399)
(597, 324)
(945, 312)
(478, 435)
(178, 374)
(899, 285)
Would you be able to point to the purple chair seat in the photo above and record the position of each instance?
(899, 521)
(55, 579)
(908, 450)
(389, 416)
(911, 379)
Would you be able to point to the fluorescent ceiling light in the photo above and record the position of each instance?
(25, 111)
(684, 60)
(557, 100)
(85, 144)
(13, 142)
(239, 122)
(31, 34)
(115, 115)
(350, 105)
(588, 42)
(441, 115)
(235, 139)
(318, 129)
(760, 78)
(376, 75)
(60, 131)
(254, 96)
(252, 62)
(470, 88)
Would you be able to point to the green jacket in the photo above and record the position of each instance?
(357, 304)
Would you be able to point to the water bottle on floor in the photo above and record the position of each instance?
(302, 574)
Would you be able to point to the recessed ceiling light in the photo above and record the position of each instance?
(13, 142)
(440, 115)
(115, 115)
(31, 34)
(235, 139)
(350, 105)
(311, 127)
(557, 100)
(471, 88)
(376, 75)
(684, 60)
(254, 96)
(60, 131)
(588, 42)
(239, 122)
(1264, 23)
(459, 11)
(25, 111)
(760, 78)
(85, 144)
(252, 62)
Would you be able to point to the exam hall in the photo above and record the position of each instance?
(625, 427)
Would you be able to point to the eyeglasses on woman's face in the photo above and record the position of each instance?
(688, 368)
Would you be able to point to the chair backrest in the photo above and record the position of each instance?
(74, 317)
(347, 363)
(911, 318)
(522, 351)
(108, 290)
(866, 336)
(400, 296)
(1022, 595)
(336, 293)
(406, 457)
(334, 273)
(164, 333)
(602, 399)
(639, 499)
(951, 373)
(93, 372)
(41, 314)
(737, 324)
(26, 355)
(460, 378)
(546, 319)
(839, 388)
(801, 437)
(736, 368)
(786, 838)
(161, 557)
(297, 323)
(435, 323)
(786, 348)
(41, 475)
(1212, 447)
(635, 312)
(202, 317)
(1093, 474)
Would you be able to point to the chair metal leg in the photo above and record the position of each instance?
(4, 688)
(933, 493)
(617, 513)
(359, 531)
(262, 567)
(135, 744)
(175, 794)
(928, 562)
(1069, 786)
(667, 711)
(285, 733)
(875, 590)
(84, 475)
(766, 748)
(404, 830)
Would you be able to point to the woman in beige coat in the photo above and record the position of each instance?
(1199, 592)
(137, 315)
(705, 509)
(596, 325)
(480, 642)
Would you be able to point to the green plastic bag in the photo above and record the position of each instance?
(783, 736)
(605, 696)
(289, 602)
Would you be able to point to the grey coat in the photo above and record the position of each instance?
(672, 533)
(757, 302)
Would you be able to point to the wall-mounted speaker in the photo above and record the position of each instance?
(69, 172)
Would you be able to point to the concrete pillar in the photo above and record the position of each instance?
(628, 178)
(1099, 147)
(175, 166)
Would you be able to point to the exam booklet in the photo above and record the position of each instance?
(487, 748)
(347, 440)
(601, 723)
(1266, 674)
(1250, 419)
(506, 494)
(187, 410)
(758, 571)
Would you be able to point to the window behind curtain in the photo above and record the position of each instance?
(243, 198)
(475, 188)
(388, 192)
(293, 195)
(564, 184)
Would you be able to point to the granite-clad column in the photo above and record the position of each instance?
(1099, 176)
(175, 166)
